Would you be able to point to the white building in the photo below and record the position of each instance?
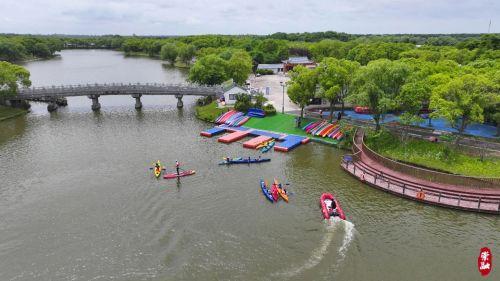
(232, 91)
(276, 68)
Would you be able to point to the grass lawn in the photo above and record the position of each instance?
(8, 112)
(283, 123)
(209, 112)
(437, 156)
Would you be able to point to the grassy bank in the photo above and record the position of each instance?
(284, 123)
(438, 156)
(10, 112)
(209, 112)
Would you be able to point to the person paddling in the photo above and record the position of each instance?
(177, 165)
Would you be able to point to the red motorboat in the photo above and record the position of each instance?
(330, 206)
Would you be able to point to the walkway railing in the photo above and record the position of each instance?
(419, 192)
(421, 173)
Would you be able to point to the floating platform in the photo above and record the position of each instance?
(234, 136)
(212, 132)
(253, 143)
(284, 142)
(289, 142)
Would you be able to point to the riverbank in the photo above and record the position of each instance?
(7, 112)
(209, 112)
(156, 57)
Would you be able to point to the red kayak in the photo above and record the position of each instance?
(181, 174)
(329, 205)
(275, 193)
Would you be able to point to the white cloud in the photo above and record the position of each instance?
(242, 16)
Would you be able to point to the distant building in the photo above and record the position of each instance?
(291, 62)
(276, 68)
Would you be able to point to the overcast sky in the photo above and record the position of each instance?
(182, 17)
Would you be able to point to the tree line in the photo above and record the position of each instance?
(461, 94)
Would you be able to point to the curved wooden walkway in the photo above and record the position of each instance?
(364, 168)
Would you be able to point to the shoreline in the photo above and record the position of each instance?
(14, 112)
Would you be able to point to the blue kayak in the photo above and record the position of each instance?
(267, 147)
(266, 191)
(244, 161)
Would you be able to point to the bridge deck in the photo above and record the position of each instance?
(119, 89)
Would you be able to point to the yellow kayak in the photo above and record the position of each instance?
(266, 143)
(157, 170)
(281, 192)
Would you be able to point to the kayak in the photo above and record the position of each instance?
(266, 191)
(326, 201)
(274, 192)
(157, 170)
(181, 174)
(266, 143)
(244, 161)
(269, 146)
(281, 192)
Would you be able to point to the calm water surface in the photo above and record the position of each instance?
(77, 201)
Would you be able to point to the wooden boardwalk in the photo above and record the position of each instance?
(366, 169)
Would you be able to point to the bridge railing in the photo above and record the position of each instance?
(146, 88)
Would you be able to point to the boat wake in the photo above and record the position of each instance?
(319, 253)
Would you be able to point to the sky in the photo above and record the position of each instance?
(187, 17)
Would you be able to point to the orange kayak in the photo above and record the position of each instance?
(281, 192)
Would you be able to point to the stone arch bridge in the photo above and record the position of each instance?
(94, 91)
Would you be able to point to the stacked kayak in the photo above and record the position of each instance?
(239, 121)
(225, 116)
(266, 191)
(241, 160)
(181, 174)
(330, 206)
(268, 146)
(324, 129)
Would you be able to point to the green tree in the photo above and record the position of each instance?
(41, 50)
(462, 100)
(239, 67)
(10, 51)
(209, 70)
(377, 86)
(302, 86)
(169, 52)
(335, 78)
(11, 77)
(186, 53)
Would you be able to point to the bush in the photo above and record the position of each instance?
(269, 110)
(264, 71)
(259, 101)
(243, 103)
(204, 101)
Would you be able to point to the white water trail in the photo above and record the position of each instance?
(348, 237)
(319, 253)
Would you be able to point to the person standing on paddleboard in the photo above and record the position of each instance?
(177, 166)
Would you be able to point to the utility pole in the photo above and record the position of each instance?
(283, 100)
(489, 27)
